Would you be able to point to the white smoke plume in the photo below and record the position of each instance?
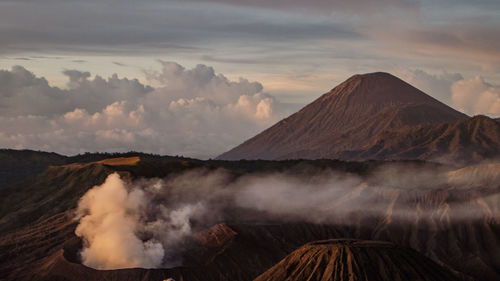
(117, 232)
(109, 218)
(147, 222)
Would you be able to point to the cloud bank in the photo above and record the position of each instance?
(194, 112)
(472, 96)
(476, 96)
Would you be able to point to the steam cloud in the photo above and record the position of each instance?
(122, 227)
(110, 215)
(147, 222)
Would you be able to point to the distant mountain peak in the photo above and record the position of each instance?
(379, 88)
(347, 118)
(378, 76)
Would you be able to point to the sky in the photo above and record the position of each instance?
(198, 77)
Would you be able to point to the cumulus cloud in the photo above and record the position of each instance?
(472, 96)
(475, 96)
(194, 112)
(201, 81)
(437, 85)
(22, 93)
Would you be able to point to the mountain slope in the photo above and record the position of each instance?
(19, 165)
(470, 140)
(37, 220)
(346, 260)
(346, 118)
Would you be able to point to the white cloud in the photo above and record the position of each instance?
(436, 85)
(471, 96)
(475, 96)
(195, 112)
(201, 81)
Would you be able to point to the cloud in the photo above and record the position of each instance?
(475, 96)
(179, 26)
(436, 85)
(22, 93)
(108, 217)
(322, 6)
(472, 96)
(141, 224)
(463, 40)
(119, 63)
(339, 37)
(194, 112)
(202, 82)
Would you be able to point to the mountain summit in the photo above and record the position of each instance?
(347, 118)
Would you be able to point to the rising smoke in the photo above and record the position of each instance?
(110, 215)
(147, 222)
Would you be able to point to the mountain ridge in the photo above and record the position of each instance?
(350, 259)
(39, 214)
(349, 120)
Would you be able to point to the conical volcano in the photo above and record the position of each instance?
(348, 118)
(348, 260)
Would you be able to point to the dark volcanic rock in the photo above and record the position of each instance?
(375, 116)
(346, 260)
(470, 140)
(345, 119)
(37, 222)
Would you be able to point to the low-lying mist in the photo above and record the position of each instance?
(145, 223)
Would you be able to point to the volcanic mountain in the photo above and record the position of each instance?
(448, 215)
(356, 119)
(345, 260)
